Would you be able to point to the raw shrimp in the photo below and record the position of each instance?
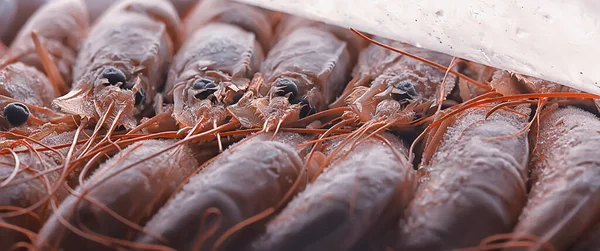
(61, 27)
(24, 95)
(243, 183)
(22, 10)
(473, 186)
(22, 186)
(123, 62)
(211, 70)
(564, 200)
(255, 20)
(119, 191)
(410, 82)
(360, 193)
(304, 72)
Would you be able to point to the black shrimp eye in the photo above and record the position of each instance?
(114, 76)
(306, 109)
(16, 113)
(287, 85)
(403, 91)
(206, 87)
(139, 98)
(204, 83)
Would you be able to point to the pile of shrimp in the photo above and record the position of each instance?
(214, 125)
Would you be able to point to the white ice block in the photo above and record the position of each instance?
(556, 40)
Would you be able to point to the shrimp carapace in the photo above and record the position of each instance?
(123, 62)
(25, 97)
(212, 70)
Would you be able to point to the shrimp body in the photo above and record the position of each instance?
(61, 26)
(413, 84)
(564, 200)
(252, 19)
(306, 69)
(123, 61)
(212, 70)
(240, 183)
(25, 85)
(473, 186)
(24, 190)
(134, 193)
(345, 202)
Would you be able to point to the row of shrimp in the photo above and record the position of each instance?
(138, 141)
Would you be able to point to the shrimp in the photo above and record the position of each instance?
(123, 62)
(20, 11)
(564, 200)
(25, 94)
(119, 191)
(473, 186)
(358, 194)
(27, 177)
(255, 20)
(61, 27)
(304, 72)
(239, 187)
(211, 71)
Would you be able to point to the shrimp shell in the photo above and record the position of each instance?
(217, 51)
(135, 37)
(474, 186)
(345, 202)
(62, 26)
(239, 184)
(564, 200)
(135, 194)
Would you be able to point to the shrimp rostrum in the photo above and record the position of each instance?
(123, 62)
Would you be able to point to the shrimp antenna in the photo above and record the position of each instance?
(439, 66)
(60, 87)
